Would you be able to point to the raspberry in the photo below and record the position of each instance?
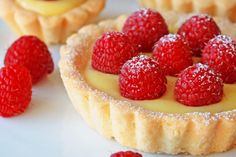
(126, 154)
(220, 55)
(198, 30)
(142, 79)
(172, 54)
(199, 85)
(111, 51)
(15, 90)
(145, 27)
(32, 53)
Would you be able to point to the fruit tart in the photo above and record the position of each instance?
(50, 20)
(222, 8)
(153, 83)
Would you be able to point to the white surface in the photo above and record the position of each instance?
(51, 127)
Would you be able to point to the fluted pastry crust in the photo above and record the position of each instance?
(222, 8)
(51, 29)
(131, 125)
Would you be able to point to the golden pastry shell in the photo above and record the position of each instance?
(130, 124)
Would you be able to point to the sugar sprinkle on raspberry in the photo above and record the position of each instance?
(169, 38)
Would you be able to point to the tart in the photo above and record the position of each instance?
(222, 8)
(171, 128)
(51, 21)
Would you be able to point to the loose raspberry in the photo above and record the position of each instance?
(198, 30)
(172, 54)
(126, 154)
(15, 90)
(142, 79)
(199, 85)
(145, 27)
(111, 51)
(32, 53)
(220, 55)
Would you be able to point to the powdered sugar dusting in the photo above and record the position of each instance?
(225, 41)
(141, 63)
(194, 16)
(143, 13)
(170, 38)
(203, 17)
(207, 70)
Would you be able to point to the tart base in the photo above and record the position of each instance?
(51, 29)
(221, 8)
(128, 123)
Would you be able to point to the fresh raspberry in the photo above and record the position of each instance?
(126, 154)
(198, 30)
(199, 85)
(15, 90)
(32, 53)
(172, 54)
(111, 51)
(142, 79)
(220, 55)
(145, 27)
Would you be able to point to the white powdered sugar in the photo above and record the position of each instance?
(140, 63)
(170, 38)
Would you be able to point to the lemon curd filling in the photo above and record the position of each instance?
(108, 83)
(49, 7)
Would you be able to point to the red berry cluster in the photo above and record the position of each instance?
(142, 78)
(27, 61)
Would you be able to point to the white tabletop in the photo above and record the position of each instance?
(51, 127)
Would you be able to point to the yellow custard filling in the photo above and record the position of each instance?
(108, 83)
(49, 7)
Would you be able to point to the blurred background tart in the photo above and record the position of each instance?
(50, 20)
(222, 8)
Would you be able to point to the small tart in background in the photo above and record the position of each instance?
(196, 132)
(51, 21)
(221, 8)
